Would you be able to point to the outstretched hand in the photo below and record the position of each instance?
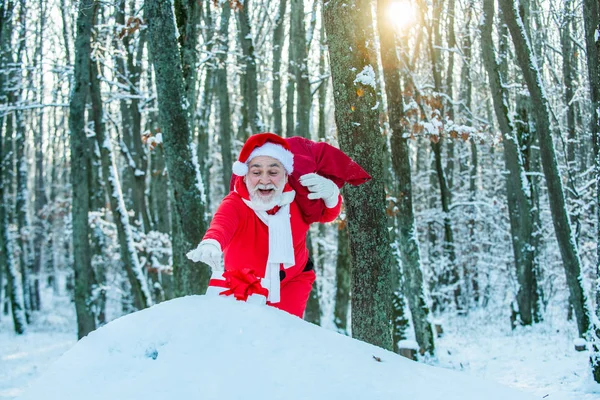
(321, 188)
(208, 252)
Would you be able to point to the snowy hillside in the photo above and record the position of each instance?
(219, 348)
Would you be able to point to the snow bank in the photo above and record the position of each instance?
(211, 347)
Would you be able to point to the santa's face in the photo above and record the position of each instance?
(265, 180)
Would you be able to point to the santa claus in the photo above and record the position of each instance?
(261, 225)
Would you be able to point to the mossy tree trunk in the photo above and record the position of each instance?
(350, 25)
(173, 116)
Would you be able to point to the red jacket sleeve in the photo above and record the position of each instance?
(329, 214)
(225, 222)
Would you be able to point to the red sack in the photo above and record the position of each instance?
(325, 160)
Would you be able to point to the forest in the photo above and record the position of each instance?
(478, 121)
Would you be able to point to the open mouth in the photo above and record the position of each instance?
(265, 192)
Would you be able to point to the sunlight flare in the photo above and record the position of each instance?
(401, 14)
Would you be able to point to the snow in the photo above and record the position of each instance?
(366, 77)
(226, 349)
(199, 181)
(180, 348)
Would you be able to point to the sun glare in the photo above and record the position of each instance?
(401, 13)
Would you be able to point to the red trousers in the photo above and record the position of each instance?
(295, 292)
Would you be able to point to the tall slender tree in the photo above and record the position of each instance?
(278, 39)
(84, 276)
(223, 97)
(206, 101)
(41, 198)
(450, 275)
(409, 246)
(7, 262)
(342, 279)
(22, 194)
(129, 256)
(187, 14)
(129, 67)
(569, 72)
(253, 123)
(300, 66)
(591, 18)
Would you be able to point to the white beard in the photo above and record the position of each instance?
(261, 204)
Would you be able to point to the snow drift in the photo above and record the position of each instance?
(216, 348)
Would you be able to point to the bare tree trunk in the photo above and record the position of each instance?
(159, 198)
(342, 279)
(322, 91)
(223, 96)
(319, 262)
(129, 256)
(65, 31)
(187, 13)
(23, 221)
(84, 276)
(518, 199)
(466, 98)
(409, 246)
(278, 38)
(450, 276)
(6, 164)
(182, 166)
(129, 67)
(299, 62)
(40, 190)
(358, 131)
(564, 235)
(591, 18)
(449, 90)
(250, 95)
(313, 306)
(290, 92)
(206, 104)
(569, 72)
(7, 263)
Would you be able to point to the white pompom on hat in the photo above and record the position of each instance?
(264, 144)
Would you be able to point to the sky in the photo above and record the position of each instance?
(221, 348)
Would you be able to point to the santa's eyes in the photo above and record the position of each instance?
(271, 173)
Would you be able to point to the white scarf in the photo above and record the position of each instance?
(281, 246)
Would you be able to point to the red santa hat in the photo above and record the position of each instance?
(264, 144)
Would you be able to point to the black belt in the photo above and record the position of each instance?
(308, 267)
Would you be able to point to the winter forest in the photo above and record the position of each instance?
(120, 121)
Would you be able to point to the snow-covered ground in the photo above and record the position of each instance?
(539, 362)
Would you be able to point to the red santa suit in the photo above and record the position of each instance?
(244, 237)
